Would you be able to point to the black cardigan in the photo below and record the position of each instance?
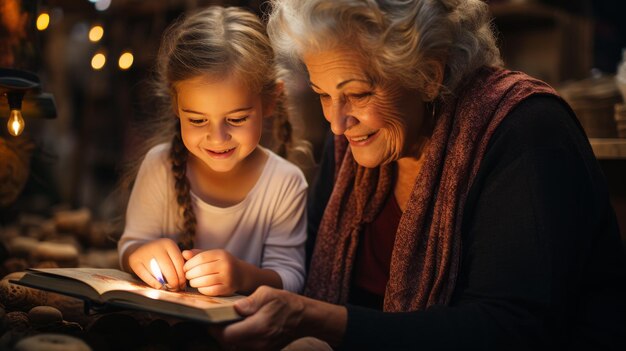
(542, 264)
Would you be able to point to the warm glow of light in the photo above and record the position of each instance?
(156, 271)
(16, 123)
(43, 21)
(98, 60)
(96, 33)
(153, 294)
(126, 60)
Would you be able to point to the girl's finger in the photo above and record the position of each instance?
(178, 262)
(201, 257)
(144, 274)
(204, 269)
(205, 281)
(168, 269)
(215, 290)
(188, 254)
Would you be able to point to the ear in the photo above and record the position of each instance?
(432, 87)
(270, 101)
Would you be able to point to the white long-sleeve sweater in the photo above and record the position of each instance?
(267, 228)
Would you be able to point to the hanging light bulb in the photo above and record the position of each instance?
(16, 123)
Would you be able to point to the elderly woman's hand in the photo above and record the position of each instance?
(274, 318)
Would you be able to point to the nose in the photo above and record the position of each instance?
(340, 119)
(217, 133)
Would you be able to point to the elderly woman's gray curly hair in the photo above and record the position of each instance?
(402, 40)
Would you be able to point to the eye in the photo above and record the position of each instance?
(237, 121)
(323, 97)
(360, 96)
(197, 121)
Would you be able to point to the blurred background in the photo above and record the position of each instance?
(93, 59)
(74, 101)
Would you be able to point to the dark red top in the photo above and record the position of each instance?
(371, 267)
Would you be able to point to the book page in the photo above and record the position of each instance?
(122, 289)
(106, 280)
(102, 280)
(187, 298)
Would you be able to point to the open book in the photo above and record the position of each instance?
(114, 287)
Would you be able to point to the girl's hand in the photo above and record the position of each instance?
(213, 272)
(169, 258)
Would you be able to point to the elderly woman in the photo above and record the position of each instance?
(459, 204)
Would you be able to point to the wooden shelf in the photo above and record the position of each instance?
(609, 149)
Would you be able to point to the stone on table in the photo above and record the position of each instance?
(44, 315)
(65, 255)
(17, 297)
(21, 246)
(51, 342)
(73, 221)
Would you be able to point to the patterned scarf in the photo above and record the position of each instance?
(426, 252)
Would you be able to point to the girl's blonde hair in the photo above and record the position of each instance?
(402, 40)
(216, 42)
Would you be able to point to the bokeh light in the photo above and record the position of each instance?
(126, 60)
(43, 21)
(98, 60)
(96, 33)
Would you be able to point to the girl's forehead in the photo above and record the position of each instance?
(226, 83)
(231, 81)
(215, 96)
(205, 79)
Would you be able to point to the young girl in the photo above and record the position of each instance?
(212, 206)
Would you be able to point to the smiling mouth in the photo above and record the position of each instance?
(362, 138)
(221, 152)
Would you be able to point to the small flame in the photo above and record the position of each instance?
(16, 122)
(15, 127)
(156, 271)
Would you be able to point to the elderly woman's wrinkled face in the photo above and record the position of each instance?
(382, 122)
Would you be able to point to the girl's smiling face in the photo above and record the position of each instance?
(381, 121)
(220, 120)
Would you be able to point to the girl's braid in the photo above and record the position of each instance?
(178, 156)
